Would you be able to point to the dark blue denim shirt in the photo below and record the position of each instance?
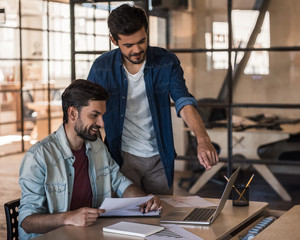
(163, 79)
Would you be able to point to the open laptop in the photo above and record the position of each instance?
(201, 216)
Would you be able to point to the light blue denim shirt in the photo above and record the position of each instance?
(47, 177)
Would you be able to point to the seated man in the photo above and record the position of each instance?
(65, 177)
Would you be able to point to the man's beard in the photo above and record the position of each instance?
(135, 62)
(84, 133)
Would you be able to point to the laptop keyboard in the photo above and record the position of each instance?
(200, 214)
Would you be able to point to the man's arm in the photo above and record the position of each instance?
(43, 223)
(134, 191)
(206, 152)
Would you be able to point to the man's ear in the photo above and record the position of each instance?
(113, 41)
(72, 113)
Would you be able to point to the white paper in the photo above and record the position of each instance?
(132, 228)
(129, 212)
(173, 232)
(188, 201)
(125, 207)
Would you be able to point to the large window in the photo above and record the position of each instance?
(35, 66)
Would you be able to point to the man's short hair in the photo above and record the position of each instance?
(126, 20)
(79, 93)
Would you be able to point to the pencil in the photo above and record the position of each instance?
(234, 187)
(246, 186)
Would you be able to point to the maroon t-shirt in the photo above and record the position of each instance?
(82, 192)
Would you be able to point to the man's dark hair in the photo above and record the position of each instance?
(79, 93)
(126, 20)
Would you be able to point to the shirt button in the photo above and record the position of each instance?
(123, 97)
(68, 193)
(122, 115)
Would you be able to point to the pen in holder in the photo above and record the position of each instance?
(240, 195)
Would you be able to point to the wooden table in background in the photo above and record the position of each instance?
(246, 143)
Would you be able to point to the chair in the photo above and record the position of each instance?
(11, 213)
(284, 150)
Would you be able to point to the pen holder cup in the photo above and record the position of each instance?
(240, 195)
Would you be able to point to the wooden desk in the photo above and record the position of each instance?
(230, 219)
(285, 227)
(246, 143)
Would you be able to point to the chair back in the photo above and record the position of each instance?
(12, 213)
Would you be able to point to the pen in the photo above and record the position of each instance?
(234, 187)
(246, 186)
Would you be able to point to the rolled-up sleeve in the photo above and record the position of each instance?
(181, 102)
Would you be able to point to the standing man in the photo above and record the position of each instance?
(65, 177)
(140, 80)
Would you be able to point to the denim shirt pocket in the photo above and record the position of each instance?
(103, 181)
(162, 97)
(56, 195)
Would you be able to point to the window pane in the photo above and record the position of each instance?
(60, 71)
(10, 17)
(281, 85)
(277, 23)
(34, 14)
(34, 44)
(102, 43)
(201, 82)
(101, 27)
(59, 46)
(34, 71)
(83, 65)
(9, 73)
(59, 17)
(9, 43)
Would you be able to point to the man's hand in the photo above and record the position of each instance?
(207, 153)
(153, 204)
(134, 191)
(43, 223)
(83, 217)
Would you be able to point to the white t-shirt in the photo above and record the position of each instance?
(138, 133)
